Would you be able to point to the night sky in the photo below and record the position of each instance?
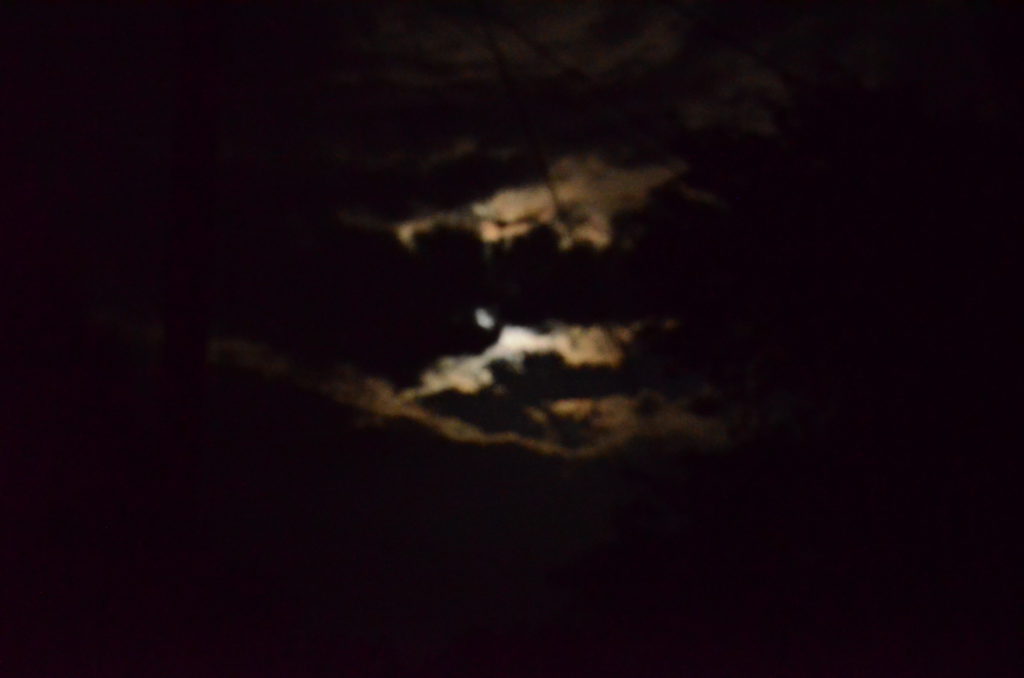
(510, 339)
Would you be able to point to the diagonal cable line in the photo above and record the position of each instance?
(533, 137)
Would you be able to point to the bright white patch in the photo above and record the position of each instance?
(484, 319)
(577, 346)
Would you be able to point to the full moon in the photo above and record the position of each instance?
(484, 319)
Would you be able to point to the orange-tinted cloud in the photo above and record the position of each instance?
(590, 190)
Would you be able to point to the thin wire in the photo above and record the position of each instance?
(632, 129)
(524, 118)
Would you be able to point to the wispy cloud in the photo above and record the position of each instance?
(414, 46)
(575, 345)
(592, 191)
(572, 427)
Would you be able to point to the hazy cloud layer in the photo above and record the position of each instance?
(578, 426)
(425, 47)
(591, 191)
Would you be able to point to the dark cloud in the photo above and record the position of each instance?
(580, 426)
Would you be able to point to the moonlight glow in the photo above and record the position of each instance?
(484, 319)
